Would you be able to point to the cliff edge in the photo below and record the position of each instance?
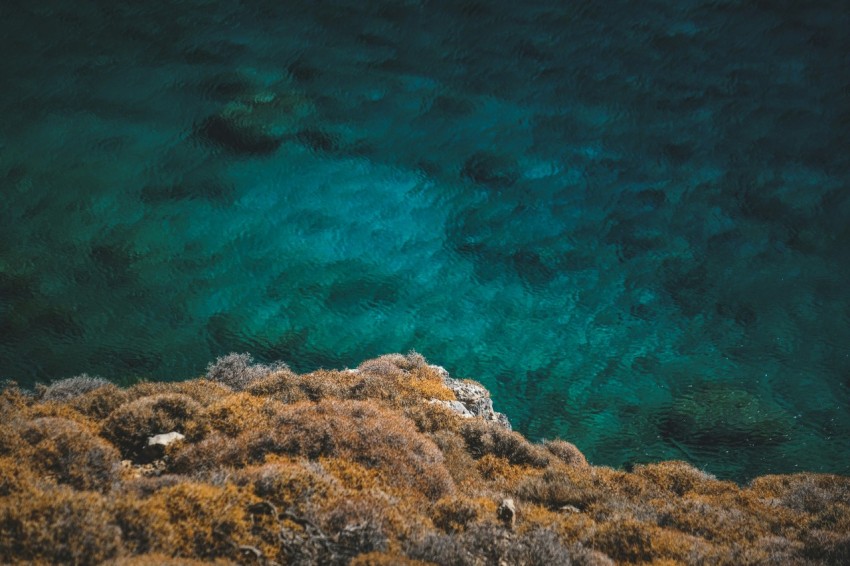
(394, 462)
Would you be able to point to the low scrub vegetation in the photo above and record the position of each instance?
(370, 466)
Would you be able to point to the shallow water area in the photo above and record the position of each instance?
(629, 222)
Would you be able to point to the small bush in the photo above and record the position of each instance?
(202, 391)
(58, 526)
(485, 437)
(567, 452)
(144, 486)
(187, 519)
(216, 450)
(323, 384)
(130, 426)
(237, 371)
(439, 548)
(15, 476)
(810, 493)
(703, 518)
(386, 559)
(388, 364)
(356, 525)
(583, 556)
(681, 478)
(63, 450)
(433, 417)
(59, 410)
(281, 385)
(501, 474)
(453, 514)
(10, 439)
(13, 398)
(539, 547)
(360, 431)
(488, 543)
(626, 540)
(292, 485)
(71, 387)
(235, 414)
(387, 382)
(158, 559)
(827, 546)
(98, 403)
(557, 487)
(458, 462)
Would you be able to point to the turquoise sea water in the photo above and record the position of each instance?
(630, 221)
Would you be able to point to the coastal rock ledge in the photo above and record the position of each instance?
(473, 399)
(394, 462)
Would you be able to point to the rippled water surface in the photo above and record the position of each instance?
(631, 221)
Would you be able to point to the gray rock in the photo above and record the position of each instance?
(157, 443)
(473, 397)
(164, 439)
(507, 512)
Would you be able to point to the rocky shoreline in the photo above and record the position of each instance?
(392, 462)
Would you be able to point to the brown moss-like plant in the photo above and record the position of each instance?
(362, 467)
(129, 426)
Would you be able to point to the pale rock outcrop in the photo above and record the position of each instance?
(473, 399)
(158, 443)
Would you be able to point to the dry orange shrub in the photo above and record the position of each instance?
(234, 415)
(571, 525)
(98, 403)
(202, 391)
(158, 559)
(486, 437)
(501, 475)
(362, 432)
(57, 525)
(567, 452)
(68, 453)
(55, 409)
(455, 513)
(460, 465)
(188, 519)
(352, 475)
(130, 425)
(13, 398)
(325, 466)
(328, 384)
(433, 417)
(386, 559)
(16, 476)
(283, 385)
(680, 478)
(561, 486)
(400, 381)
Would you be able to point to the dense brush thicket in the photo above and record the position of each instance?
(362, 467)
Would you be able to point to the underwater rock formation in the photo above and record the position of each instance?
(392, 462)
(715, 415)
(491, 170)
(255, 125)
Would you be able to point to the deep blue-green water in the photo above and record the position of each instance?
(630, 220)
